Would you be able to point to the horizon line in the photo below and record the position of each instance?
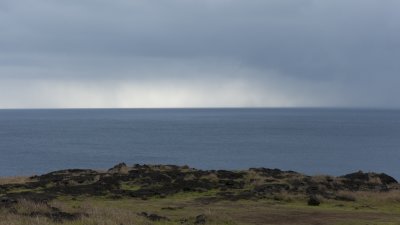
(212, 107)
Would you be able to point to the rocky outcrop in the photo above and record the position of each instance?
(119, 168)
(145, 181)
(371, 177)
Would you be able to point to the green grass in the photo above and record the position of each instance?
(104, 211)
(129, 187)
(21, 190)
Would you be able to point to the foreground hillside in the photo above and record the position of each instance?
(167, 194)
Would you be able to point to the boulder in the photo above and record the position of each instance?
(200, 219)
(313, 201)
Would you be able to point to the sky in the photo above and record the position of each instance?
(191, 53)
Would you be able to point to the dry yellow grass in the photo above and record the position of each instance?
(385, 209)
(13, 180)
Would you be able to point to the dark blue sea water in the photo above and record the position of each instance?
(313, 141)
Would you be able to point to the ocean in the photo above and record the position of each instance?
(310, 140)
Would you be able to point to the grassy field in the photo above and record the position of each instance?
(24, 202)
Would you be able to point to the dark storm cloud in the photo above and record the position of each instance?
(280, 53)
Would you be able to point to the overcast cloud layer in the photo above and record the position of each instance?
(190, 53)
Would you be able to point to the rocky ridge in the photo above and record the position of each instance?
(147, 181)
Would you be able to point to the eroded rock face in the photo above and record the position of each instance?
(145, 181)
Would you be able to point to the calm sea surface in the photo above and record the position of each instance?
(313, 141)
